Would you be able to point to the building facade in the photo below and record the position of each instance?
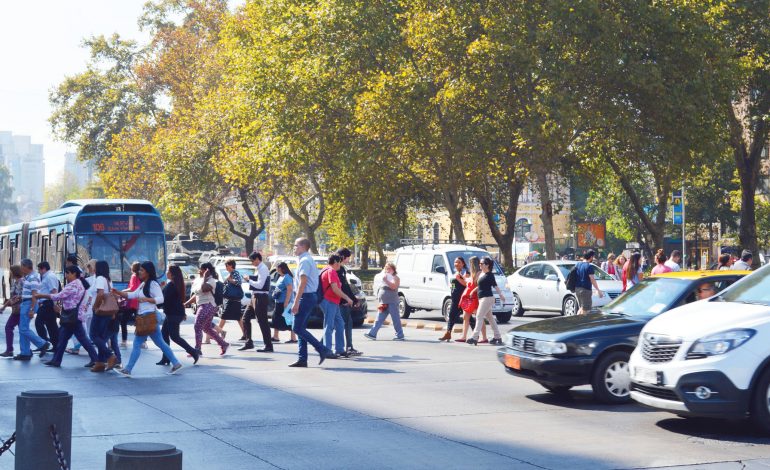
(25, 163)
(82, 173)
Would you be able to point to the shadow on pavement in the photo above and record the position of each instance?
(736, 431)
(584, 400)
(365, 370)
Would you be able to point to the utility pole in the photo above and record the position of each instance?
(684, 243)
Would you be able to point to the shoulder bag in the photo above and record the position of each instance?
(146, 324)
(109, 306)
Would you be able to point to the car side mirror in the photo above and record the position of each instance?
(552, 277)
(441, 270)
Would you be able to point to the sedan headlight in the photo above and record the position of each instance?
(720, 343)
(550, 347)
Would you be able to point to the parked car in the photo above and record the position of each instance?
(189, 273)
(710, 358)
(425, 272)
(561, 353)
(541, 285)
(240, 261)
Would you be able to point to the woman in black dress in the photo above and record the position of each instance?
(173, 307)
(233, 296)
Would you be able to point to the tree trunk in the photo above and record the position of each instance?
(302, 215)
(546, 215)
(365, 256)
(452, 205)
(505, 238)
(381, 253)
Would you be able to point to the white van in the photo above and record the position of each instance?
(425, 272)
(709, 358)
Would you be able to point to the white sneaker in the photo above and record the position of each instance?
(122, 373)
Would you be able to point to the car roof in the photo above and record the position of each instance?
(702, 274)
(438, 247)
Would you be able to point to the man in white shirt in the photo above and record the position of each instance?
(743, 264)
(45, 322)
(260, 290)
(674, 260)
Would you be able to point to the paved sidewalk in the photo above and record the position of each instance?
(416, 404)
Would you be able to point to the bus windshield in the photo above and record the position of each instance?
(120, 250)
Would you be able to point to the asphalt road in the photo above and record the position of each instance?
(412, 404)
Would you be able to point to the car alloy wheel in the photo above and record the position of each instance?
(446, 308)
(403, 308)
(617, 379)
(517, 309)
(570, 306)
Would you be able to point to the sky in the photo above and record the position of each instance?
(40, 44)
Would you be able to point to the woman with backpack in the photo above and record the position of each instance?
(149, 295)
(173, 307)
(72, 314)
(203, 296)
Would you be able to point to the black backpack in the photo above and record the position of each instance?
(320, 291)
(219, 293)
(571, 280)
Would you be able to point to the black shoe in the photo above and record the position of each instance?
(51, 364)
(472, 341)
(162, 363)
(299, 364)
(46, 347)
(497, 342)
(343, 355)
(22, 357)
(195, 357)
(353, 352)
(90, 364)
(265, 350)
(243, 338)
(247, 346)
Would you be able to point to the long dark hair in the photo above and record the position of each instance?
(76, 270)
(632, 266)
(210, 268)
(284, 268)
(102, 269)
(175, 277)
(152, 276)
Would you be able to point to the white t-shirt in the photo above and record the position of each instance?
(204, 297)
(674, 266)
(147, 307)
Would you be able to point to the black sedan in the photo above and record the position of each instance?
(594, 349)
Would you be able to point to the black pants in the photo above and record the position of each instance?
(258, 308)
(125, 317)
(45, 323)
(348, 319)
(456, 316)
(170, 331)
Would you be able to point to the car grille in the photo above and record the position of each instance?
(662, 349)
(523, 344)
(656, 392)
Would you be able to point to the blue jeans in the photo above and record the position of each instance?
(66, 331)
(392, 310)
(26, 335)
(156, 338)
(100, 335)
(333, 322)
(306, 305)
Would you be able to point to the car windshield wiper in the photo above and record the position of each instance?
(617, 312)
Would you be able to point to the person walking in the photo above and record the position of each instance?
(743, 264)
(203, 297)
(45, 322)
(660, 266)
(387, 297)
(330, 306)
(306, 285)
(87, 307)
(586, 280)
(632, 271)
(14, 301)
(260, 300)
(486, 302)
(233, 295)
(346, 308)
(609, 266)
(283, 295)
(71, 298)
(469, 302)
(458, 283)
(30, 287)
(100, 323)
(129, 311)
(674, 261)
(173, 308)
(149, 295)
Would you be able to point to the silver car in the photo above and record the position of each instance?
(541, 286)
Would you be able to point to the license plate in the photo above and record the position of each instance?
(513, 362)
(646, 375)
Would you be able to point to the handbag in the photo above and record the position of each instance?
(469, 304)
(108, 307)
(233, 291)
(146, 324)
(69, 316)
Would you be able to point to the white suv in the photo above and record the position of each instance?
(709, 358)
(425, 272)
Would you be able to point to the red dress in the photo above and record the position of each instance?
(469, 303)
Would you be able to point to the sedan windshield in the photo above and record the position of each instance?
(652, 296)
(754, 289)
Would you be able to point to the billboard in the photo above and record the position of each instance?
(590, 235)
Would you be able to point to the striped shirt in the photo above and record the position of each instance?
(31, 284)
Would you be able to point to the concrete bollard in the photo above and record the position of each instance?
(144, 456)
(36, 411)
